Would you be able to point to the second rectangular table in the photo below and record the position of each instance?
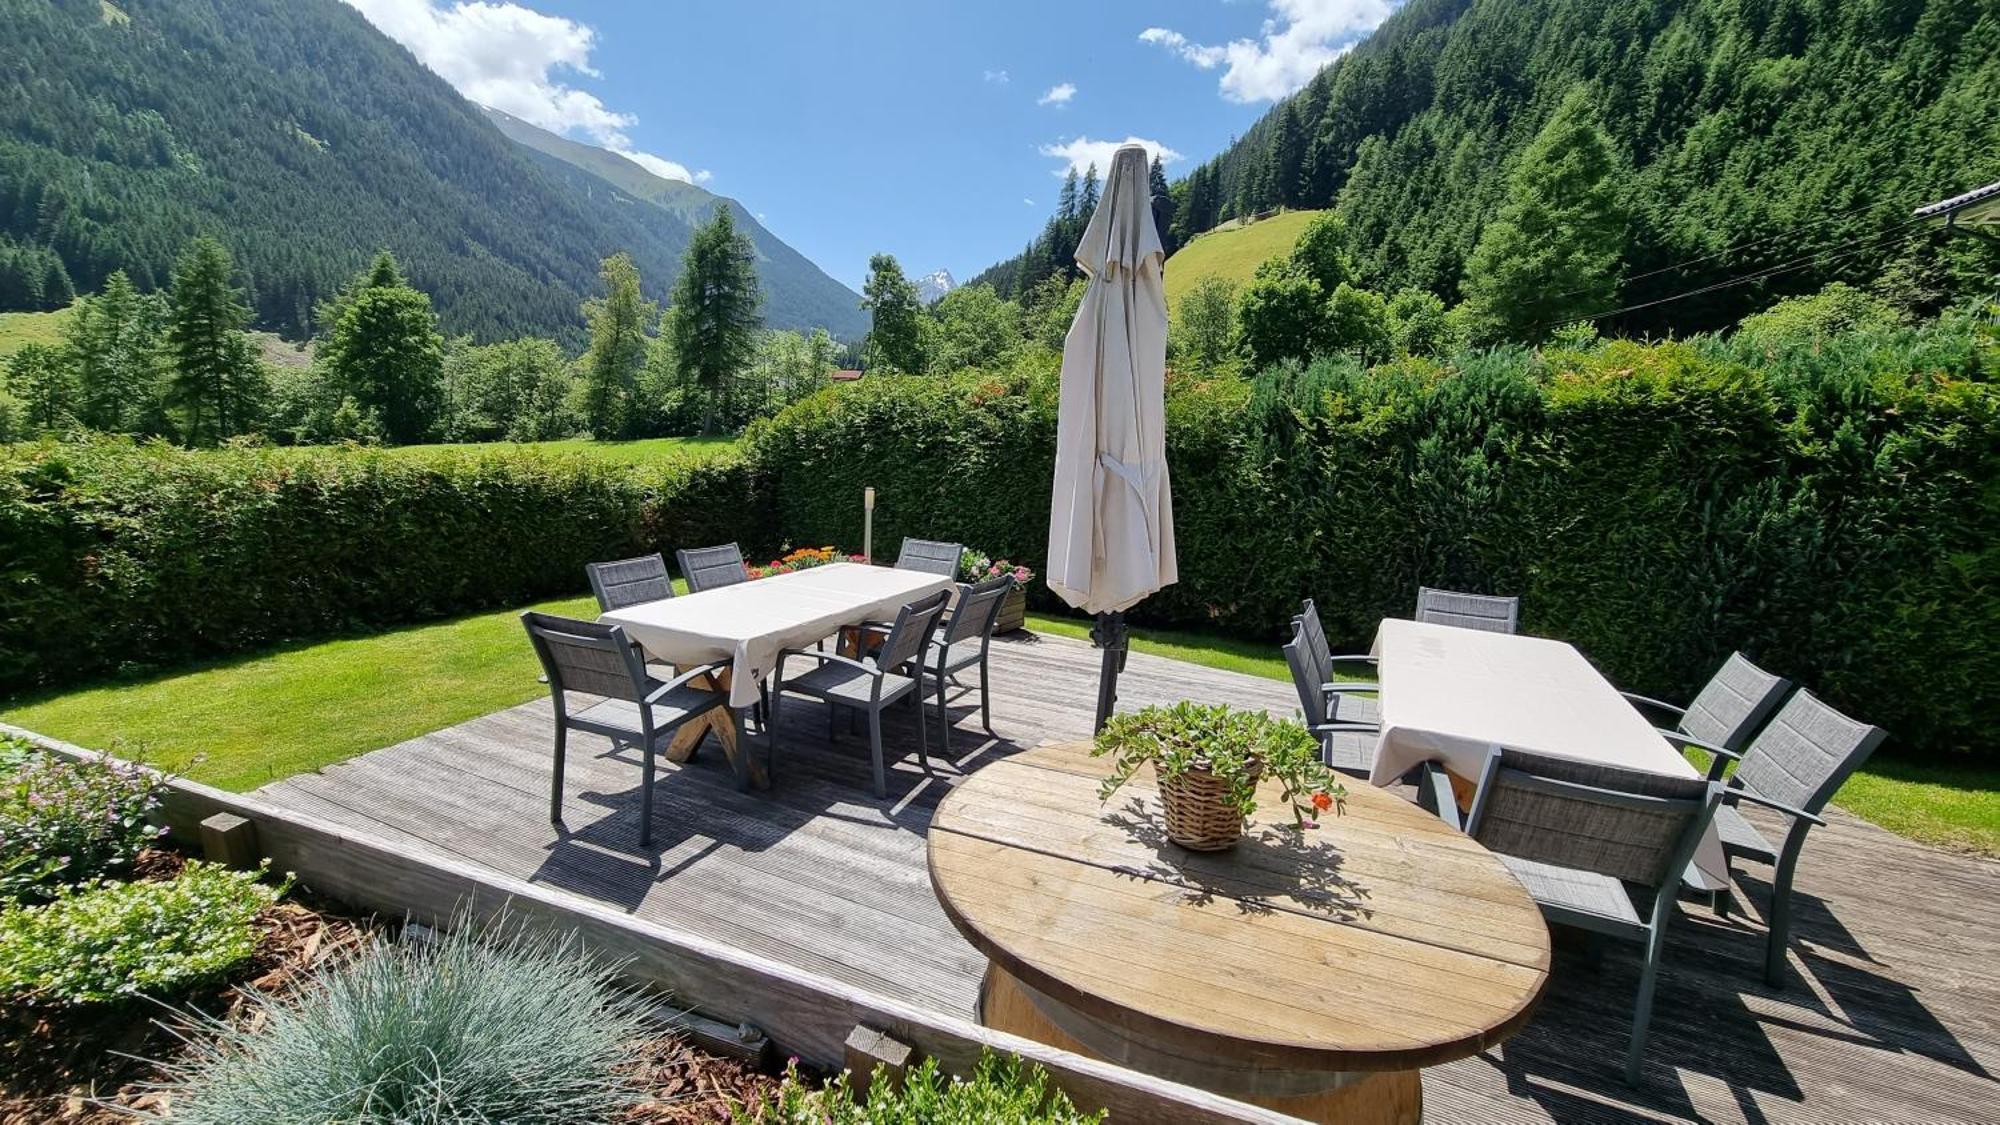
(1451, 695)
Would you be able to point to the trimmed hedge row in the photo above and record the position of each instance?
(121, 556)
(1831, 507)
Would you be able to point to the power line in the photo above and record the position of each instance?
(1737, 248)
(1885, 240)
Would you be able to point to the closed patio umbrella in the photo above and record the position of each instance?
(1111, 523)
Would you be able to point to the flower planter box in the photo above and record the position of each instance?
(1013, 611)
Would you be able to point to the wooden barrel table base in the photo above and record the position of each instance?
(1312, 972)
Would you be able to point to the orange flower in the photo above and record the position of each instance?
(1322, 802)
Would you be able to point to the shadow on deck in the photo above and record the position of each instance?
(1891, 1014)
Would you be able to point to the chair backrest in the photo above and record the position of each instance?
(1636, 826)
(911, 634)
(1806, 752)
(1733, 703)
(630, 581)
(585, 656)
(1468, 611)
(1306, 679)
(930, 556)
(706, 568)
(978, 608)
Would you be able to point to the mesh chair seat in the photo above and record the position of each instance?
(844, 683)
(1584, 894)
(1353, 707)
(1741, 838)
(678, 704)
(1349, 751)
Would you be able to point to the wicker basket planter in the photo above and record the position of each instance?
(1200, 816)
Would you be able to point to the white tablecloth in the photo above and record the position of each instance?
(748, 623)
(1451, 695)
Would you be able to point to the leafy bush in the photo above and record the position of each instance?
(124, 555)
(119, 940)
(1831, 511)
(1237, 746)
(1002, 1091)
(65, 822)
(467, 1028)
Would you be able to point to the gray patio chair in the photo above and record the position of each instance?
(1728, 709)
(965, 639)
(1364, 708)
(1597, 847)
(870, 683)
(1346, 743)
(930, 556)
(1793, 766)
(630, 581)
(707, 568)
(1468, 611)
(597, 659)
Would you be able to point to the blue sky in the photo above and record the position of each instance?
(935, 131)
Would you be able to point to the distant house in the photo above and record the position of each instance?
(846, 375)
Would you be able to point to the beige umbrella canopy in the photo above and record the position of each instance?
(1111, 523)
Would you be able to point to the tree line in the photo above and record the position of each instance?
(180, 363)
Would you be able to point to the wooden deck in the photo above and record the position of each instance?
(1893, 1013)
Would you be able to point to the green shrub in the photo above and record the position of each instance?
(108, 943)
(65, 822)
(121, 555)
(1001, 1091)
(466, 1028)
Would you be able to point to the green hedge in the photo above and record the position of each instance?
(1830, 506)
(1832, 509)
(122, 556)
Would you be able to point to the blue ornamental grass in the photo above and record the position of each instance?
(470, 1027)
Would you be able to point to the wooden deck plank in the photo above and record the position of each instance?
(1893, 1013)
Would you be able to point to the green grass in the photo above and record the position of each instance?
(242, 722)
(615, 452)
(1234, 253)
(18, 328)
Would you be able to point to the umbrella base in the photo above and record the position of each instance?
(1109, 635)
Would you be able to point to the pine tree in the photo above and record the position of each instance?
(42, 380)
(712, 317)
(1551, 254)
(1066, 200)
(1086, 201)
(618, 323)
(896, 332)
(215, 381)
(1163, 203)
(1321, 251)
(387, 355)
(114, 338)
(1286, 158)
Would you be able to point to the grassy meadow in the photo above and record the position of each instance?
(1234, 252)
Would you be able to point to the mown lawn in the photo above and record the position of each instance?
(615, 452)
(1234, 253)
(243, 722)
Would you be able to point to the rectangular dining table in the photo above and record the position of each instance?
(1452, 695)
(746, 625)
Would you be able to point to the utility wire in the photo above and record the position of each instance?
(1740, 246)
(1887, 240)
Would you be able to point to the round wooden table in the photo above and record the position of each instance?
(1313, 973)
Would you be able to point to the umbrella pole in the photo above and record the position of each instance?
(1109, 635)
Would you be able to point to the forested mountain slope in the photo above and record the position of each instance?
(305, 140)
(797, 293)
(1753, 134)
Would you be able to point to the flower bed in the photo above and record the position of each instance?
(804, 558)
(978, 566)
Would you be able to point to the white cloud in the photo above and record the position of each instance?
(1299, 38)
(1059, 94)
(1082, 152)
(510, 57)
(1026, 200)
(997, 77)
